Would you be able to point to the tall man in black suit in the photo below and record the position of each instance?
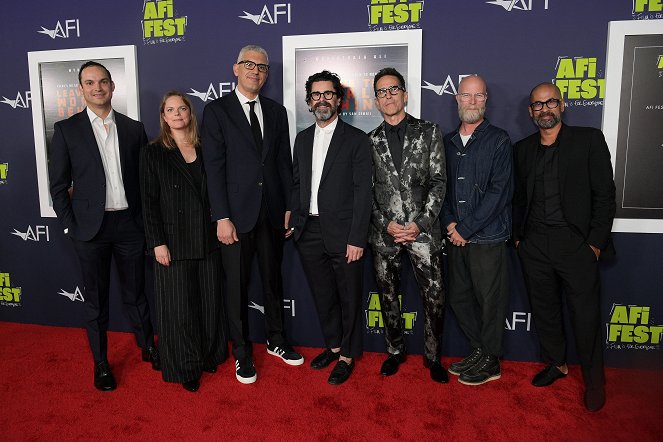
(246, 151)
(563, 208)
(93, 167)
(331, 202)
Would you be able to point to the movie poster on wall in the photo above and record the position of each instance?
(632, 123)
(356, 58)
(57, 96)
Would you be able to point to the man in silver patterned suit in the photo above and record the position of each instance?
(409, 183)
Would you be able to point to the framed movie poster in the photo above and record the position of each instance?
(56, 96)
(356, 58)
(632, 122)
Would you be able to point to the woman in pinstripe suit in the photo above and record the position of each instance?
(182, 238)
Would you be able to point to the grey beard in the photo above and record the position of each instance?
(471, 116)
(547, 124)
(323, 113)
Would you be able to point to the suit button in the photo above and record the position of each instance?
(259, 183)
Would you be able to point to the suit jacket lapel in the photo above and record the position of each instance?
(334, 148)
(176, 159)
(268, 127)
(410, 135)
(306, 163)
(563, 157)
(122, 143)
(237, 115)
(530, 162)
(90, 139)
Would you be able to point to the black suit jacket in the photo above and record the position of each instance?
(175, 209)
(344, 195)
(74, 159)
(587, 189)
(238, 175)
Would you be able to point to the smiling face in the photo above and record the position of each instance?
(546, 118)
(391, 106)
(324, 109)
(176, 113)
(250, 81)
(97, 89)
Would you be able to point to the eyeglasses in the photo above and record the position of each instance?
(480, 96)
(393, 90)
(315, 96)
(250, 65)
(550, 103)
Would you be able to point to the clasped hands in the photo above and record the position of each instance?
(403, 234)
(454, 236)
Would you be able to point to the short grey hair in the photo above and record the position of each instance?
(251, 48)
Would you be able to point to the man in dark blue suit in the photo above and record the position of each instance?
(246, 151)
(93, 168)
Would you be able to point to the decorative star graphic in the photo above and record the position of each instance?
(202, 95)
(50, 33)
(23, 236)
(254, 18)
(12, 103)
(258, 307)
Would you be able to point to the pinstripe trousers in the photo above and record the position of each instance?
(190, 317)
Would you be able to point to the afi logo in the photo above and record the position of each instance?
(521, 5)
(270, 18)
(36, 234)
(211, 93)
(288, 304)
(20, 101)
(62, 31)
(448, 87)
(524, 318)
(77, 295)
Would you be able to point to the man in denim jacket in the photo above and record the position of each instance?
(477, 216)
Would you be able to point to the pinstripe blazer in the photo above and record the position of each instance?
(176, 213)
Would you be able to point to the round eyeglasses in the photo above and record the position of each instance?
(550, 103)
(315, 96)
(251, 65)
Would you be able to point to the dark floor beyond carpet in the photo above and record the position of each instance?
(46, 393)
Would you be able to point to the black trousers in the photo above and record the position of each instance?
(120, 238)
(479, 293)
(556, 261)
(267, 242)
(337, 290)
(427, 269)
(190, 315)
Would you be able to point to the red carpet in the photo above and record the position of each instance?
(46, 393)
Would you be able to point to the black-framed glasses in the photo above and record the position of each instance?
(479, 96)
(393, 90)
(315, 96)
(250, 65)
(550, 103)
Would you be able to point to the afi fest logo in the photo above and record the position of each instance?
(288, 304)
(21, 101)
(579, 81)
(4, 170)
(270, 17)
(519, 5)
(212, 93)
(524, 318)
(447, 87)
(374, 321)
(647, 9)
(631, 328)
(9, 296)
(60, 31)
(76, 295)
(161, 23)
(36, 234)
(391, 15)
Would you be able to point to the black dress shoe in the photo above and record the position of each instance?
(438, 373)
(594, 398)
(192, 385)
(103, 377)
(324, 359)
(341, 372)
(390, 365)
(151, 354)
(547, 376)
(209, 368)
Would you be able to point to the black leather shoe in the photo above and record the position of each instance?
(390, 365)
(192, 385)
(103, 377)
(438, 373)
(324, 359)
(341, 372)
(209, 368)
(594, 398)
(151, 354)
(547, 376)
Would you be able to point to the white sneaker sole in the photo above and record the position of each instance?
(299, 361)
(492, 378)
(245, 381)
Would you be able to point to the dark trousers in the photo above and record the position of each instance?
(120, 238)
(479, 293)
(190, 316)
(337, 290)
(556, 261)
(267, 242)
(427, 269)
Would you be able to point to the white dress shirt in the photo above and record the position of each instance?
(105, 132)
(247, 109)
(321, 140)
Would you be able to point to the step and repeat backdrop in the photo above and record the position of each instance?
(611, 77)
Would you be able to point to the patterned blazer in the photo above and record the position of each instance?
(414, 195)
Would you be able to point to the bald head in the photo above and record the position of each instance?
(471, 98)
(548, 89)
(473, 82)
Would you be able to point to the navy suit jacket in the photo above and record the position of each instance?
(238, 175)
(344, 195)
(74, 160)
